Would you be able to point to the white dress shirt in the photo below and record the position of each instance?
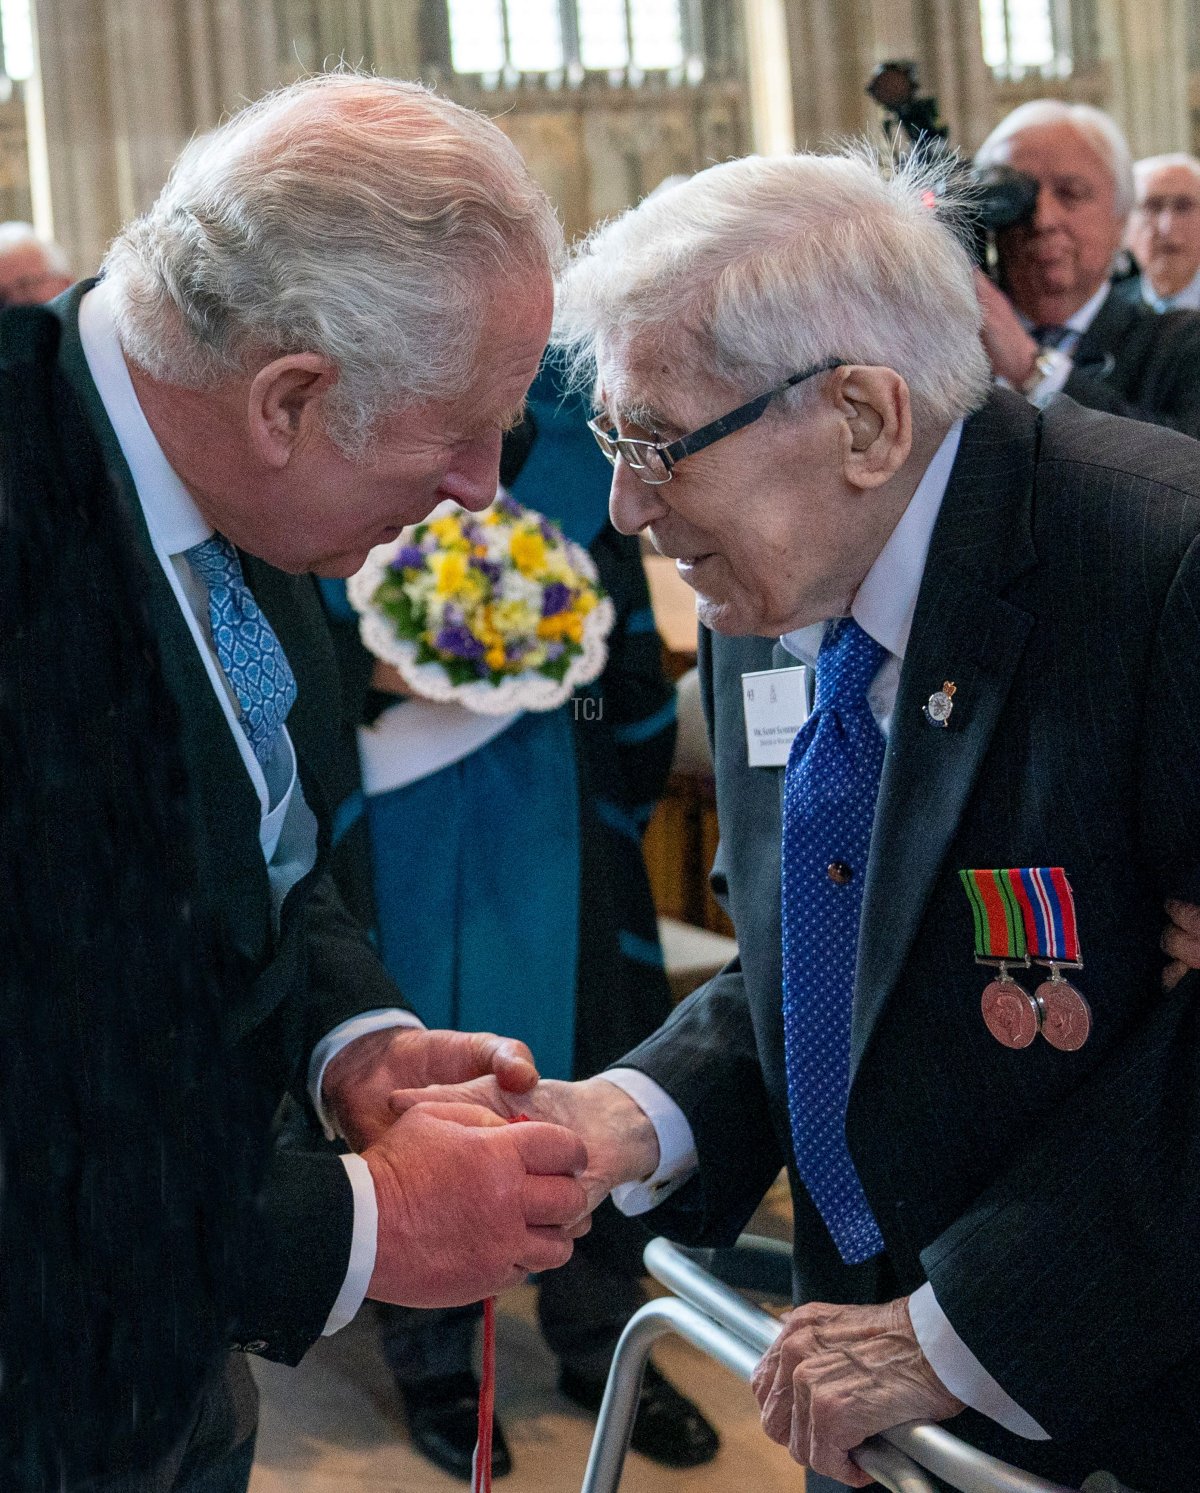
(287, 828)
(1187, 299)
(883, 608)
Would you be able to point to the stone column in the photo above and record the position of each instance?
(769, 76)
(1145, 45)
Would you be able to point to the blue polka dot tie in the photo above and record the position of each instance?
(830, 787)
(247, 649)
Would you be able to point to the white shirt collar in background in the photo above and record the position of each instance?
(1187, 299)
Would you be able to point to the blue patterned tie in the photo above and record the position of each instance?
(247, 648)
(830, 787)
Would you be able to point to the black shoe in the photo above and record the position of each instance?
(443, 1419)
(669, 1429)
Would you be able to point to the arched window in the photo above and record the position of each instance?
(497, 40)
(1026, 36)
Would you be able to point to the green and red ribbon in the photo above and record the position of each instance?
(1027, 910)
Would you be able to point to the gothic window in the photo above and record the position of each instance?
(499, 40)
(1026, 36)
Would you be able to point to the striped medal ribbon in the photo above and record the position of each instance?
(1023, 914)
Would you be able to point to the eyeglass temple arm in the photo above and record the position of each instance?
(715, 430)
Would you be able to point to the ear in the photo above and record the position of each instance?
(876, 424)
(283, 407)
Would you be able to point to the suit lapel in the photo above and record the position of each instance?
(963, 631)
(226, 804)
(1109, 330)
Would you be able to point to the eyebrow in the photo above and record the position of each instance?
(641, 415)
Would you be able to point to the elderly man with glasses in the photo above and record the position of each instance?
(951, 658)
(1057, 322)
(1164, 232)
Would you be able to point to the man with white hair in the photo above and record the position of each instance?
(1164, 231)
(318, 332)
(1055, 323)
(944, 632)
(32, 269)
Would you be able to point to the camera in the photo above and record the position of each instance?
(997, 197)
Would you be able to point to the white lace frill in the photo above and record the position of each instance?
(527, 691)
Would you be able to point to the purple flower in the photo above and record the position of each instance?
(459, 641)
(555, 599)
(549, 533)
(408, 557)
(488, 568)
(555, 650)
(508, 507)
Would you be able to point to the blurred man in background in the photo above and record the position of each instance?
(1164, 231)
(32, 269)
(1054, 323)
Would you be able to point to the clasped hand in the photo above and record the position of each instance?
(467, 1204)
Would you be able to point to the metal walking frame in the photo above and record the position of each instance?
(707, 1312)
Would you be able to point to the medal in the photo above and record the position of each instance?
(1052, 935)
(1010, 1013)
(940, 705)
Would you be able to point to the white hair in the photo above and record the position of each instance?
(361, 218)
(1100, 131)
(774, 264)
(17, 235)
(1143, 170)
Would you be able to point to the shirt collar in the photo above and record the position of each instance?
(1082, 319)
(1187, 299)
(174, 521)
(887, 599)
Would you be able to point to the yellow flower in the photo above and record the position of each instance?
(528, 551)
(451, 572)
(448, 532)
(494, 658)
(584, 602)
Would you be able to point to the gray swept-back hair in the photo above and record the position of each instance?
(1100, 130)
(361, 218)
(1144, 169)
(773, 264)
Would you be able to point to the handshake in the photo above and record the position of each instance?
(469, 1204)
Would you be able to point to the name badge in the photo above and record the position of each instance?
(775, 702)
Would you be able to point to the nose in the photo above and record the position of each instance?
(632, 503)
(474, 474)
(1047, 212)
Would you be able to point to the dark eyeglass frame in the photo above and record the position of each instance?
(671, 453)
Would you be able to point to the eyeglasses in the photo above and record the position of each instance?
(655, 462)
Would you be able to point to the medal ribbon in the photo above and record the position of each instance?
(996, 908)
(1048, 910)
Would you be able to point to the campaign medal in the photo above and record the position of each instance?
(1052, 937)
(1010, 1013)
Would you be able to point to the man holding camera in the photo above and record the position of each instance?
(1056, 322)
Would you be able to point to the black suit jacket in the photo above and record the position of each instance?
(296, 984)
(1050, 1197)
(1137, 362)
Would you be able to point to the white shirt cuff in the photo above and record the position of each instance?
(329, 1046)
(362, 1246)
(961, 1372)
(1061, 366)
(676, 1144)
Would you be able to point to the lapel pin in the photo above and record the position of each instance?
(940, 704)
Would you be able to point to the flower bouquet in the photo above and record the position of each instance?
(497, 610)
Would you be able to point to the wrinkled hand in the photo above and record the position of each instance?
(469, 1204)
(621, 1143)
(1009, 346)
(838, 1374)
(1181, 941)
(360, 1079)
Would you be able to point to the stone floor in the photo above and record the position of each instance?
(332, 1424)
